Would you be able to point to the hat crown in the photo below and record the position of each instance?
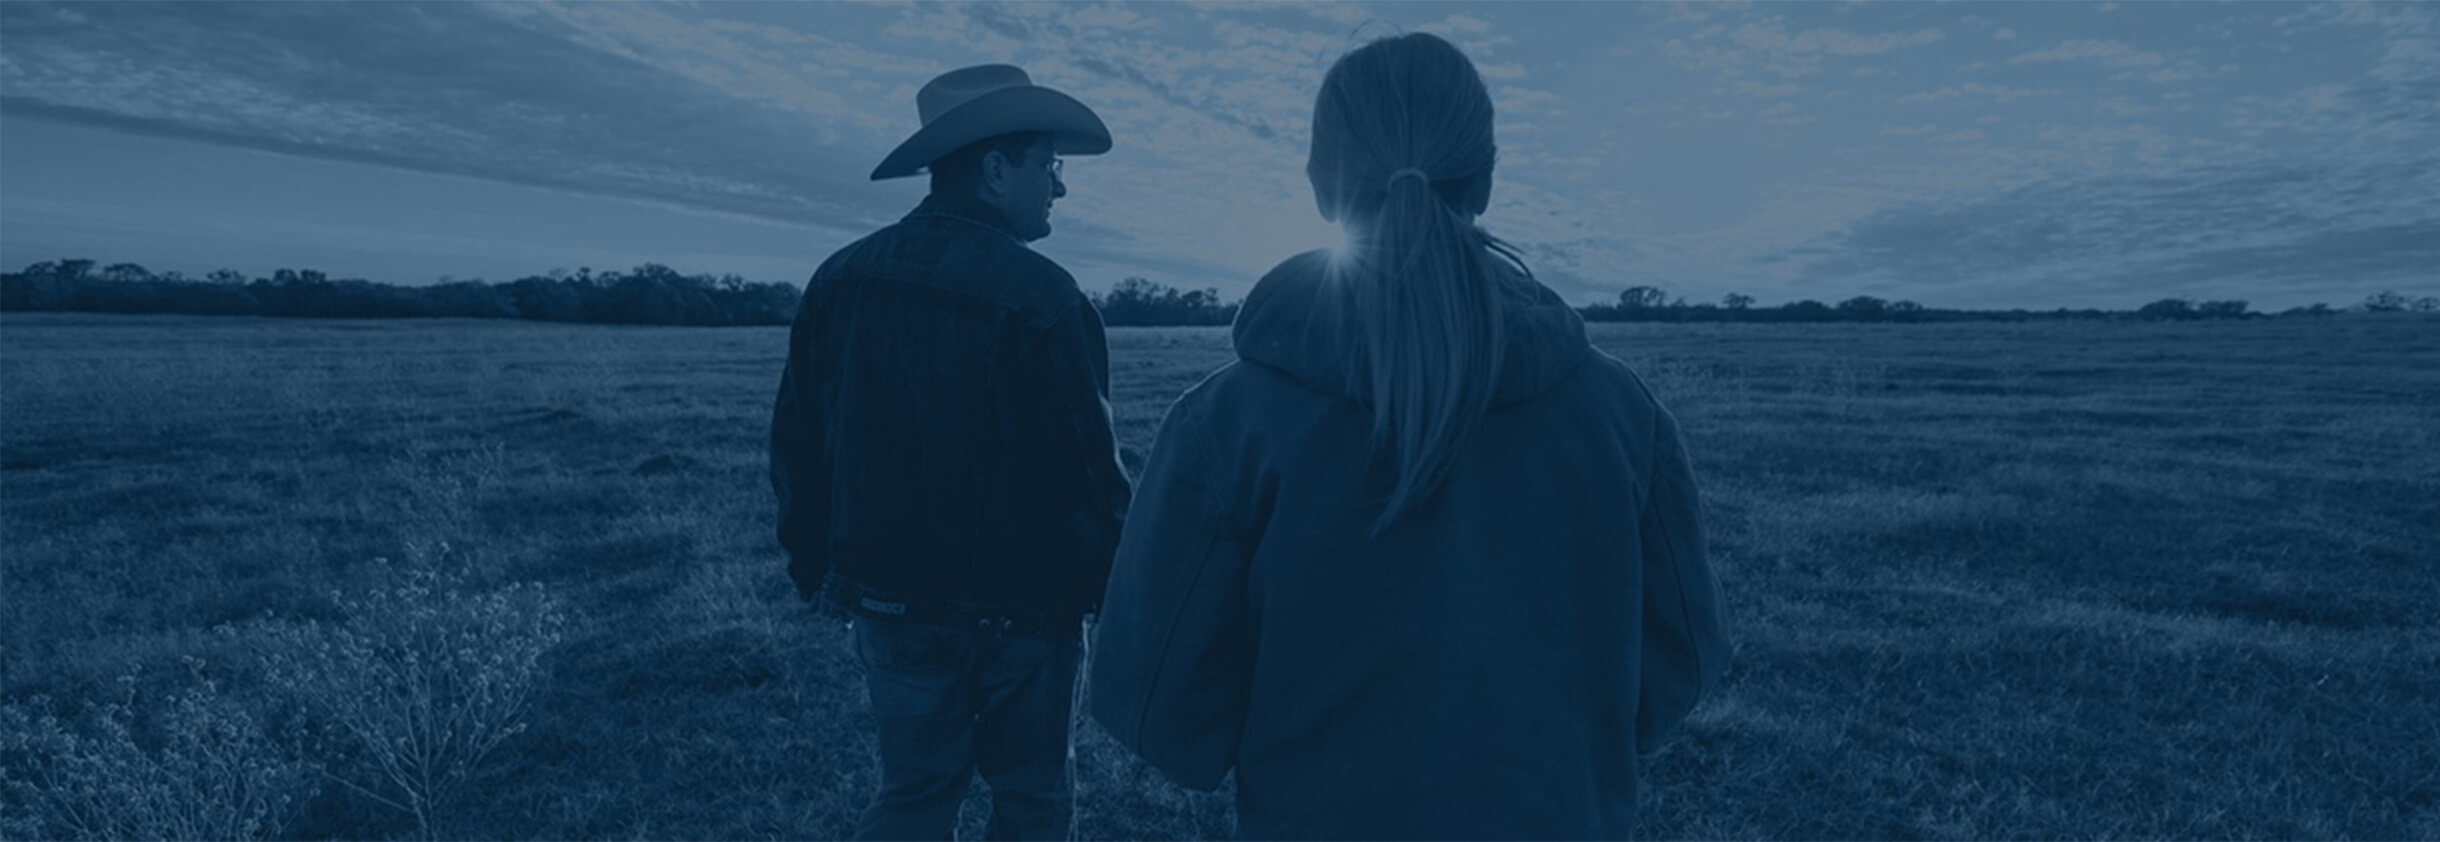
(963, 85)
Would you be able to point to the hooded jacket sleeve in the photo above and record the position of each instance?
(1685, 649)
(1173, 654)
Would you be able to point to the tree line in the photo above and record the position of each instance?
(1651, 304)
(656, 294)
(648, 294)
(1137, 302)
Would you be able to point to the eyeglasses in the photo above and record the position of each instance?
(1056, 167)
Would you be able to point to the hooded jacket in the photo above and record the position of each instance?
(1490, 666)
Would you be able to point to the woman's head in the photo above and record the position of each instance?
(1405, 102)
(1401, 158)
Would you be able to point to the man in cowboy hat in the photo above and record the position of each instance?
(942, 452)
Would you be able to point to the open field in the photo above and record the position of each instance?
(2068, 580)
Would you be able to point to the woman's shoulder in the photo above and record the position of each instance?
(1615, 384)
(1294, 272)
(1240, 384)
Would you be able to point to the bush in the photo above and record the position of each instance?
(421, 681)
(200, 769)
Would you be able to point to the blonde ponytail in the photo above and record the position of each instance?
(1402, 155)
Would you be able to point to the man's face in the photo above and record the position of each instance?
(1027, 188)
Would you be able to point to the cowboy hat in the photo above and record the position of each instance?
(972, 103)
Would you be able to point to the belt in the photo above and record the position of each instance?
(945, 613)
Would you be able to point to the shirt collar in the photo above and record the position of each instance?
(966, 208)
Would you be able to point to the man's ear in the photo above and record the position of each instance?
(995, 173)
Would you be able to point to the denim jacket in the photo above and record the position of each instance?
(942, 430)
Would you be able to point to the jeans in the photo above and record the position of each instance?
(951, 702)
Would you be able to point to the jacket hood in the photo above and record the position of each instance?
(1290, 323)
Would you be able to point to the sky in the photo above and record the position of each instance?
(2056, 154)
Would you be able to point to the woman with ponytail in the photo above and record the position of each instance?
(1422, 563)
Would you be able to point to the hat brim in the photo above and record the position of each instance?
(1074, 129)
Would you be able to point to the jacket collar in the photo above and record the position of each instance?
(1290, 322)
(966, 208)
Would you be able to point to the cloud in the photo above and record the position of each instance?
(1768, 46)
(447, 89)
(2119, 106)
(1505, 71)
(1973, 90)
(1753, 87)
(1784, 114)
(646, 103)
(2211, 231)
(2107, 52)
(777, 111)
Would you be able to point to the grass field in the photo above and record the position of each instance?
(2071, 580)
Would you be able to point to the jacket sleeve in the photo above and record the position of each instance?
(1685, 649)
(1074, 372)
(800, 475)
(1173, 653)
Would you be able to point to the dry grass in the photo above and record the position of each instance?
(1989, 581)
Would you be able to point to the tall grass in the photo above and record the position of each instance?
(421, 682)
(193, 765)
(1986, 581)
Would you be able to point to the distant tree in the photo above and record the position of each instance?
(546, 299)
(763, 304)
(225, 276)
(1142, 302)
(2426, 304)
(2221, 309)
(1863, 308)
(2309, 310)
(126, 273)
(1807, 310)
(468, 300)
(1737, 301)
(55, 289)
(655, 294)
(1641, 297)
(2166, 309)
(17, 289)
(2386, 301)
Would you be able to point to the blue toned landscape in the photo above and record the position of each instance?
(2062, 380)
(2055, 580)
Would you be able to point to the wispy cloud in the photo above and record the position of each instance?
(1767, 45)
(451, 89)
(2107, 52)
(1778, 148)
(2202, 231)
(1974, 91)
